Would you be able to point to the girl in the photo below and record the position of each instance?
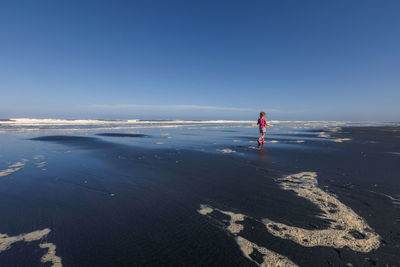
(262, 123)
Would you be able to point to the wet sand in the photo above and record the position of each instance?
(107, 200)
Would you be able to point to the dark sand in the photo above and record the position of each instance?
(116, 204)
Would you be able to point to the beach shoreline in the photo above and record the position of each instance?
(137, 202)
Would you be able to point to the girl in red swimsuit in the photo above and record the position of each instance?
(262, 123)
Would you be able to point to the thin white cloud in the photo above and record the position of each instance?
(169, 107)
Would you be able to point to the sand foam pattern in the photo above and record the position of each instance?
(12, 168)
(323, 135)
(6, 242)
(340, 140)
(270, 258)
(226, 150)
(51, 256)
(347, 229)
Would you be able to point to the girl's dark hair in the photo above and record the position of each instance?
(262, 114)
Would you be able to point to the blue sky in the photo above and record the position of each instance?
(297, 60)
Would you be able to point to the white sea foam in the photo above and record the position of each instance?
(270, 258)
(234, 227)
(33, 122)
(324, 135)
(226, 150)
(52, 121)
(65, 126)
(13, 168)
(346, 228)
(41, 165)
(340, 140)
(334, 130)
(205, 209)
(50, 256)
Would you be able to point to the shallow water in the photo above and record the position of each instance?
(124, 195)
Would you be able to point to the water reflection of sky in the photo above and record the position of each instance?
(218, 137)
